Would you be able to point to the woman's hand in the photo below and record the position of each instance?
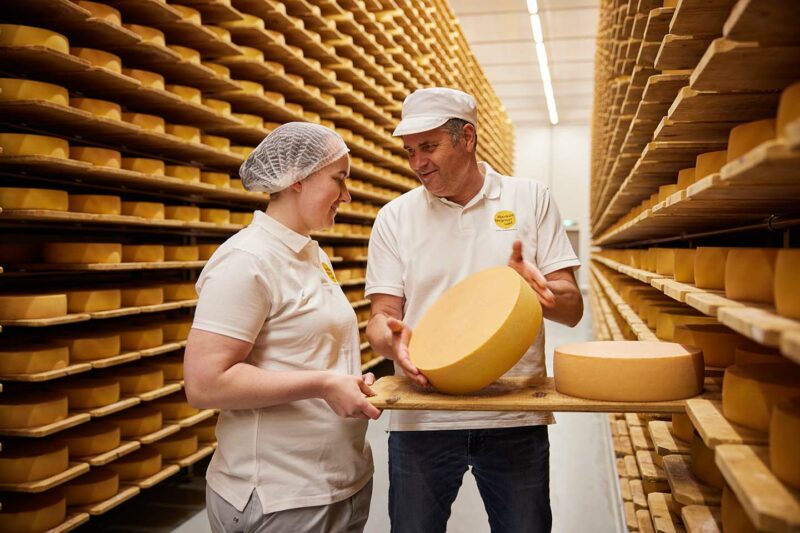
(345, 394)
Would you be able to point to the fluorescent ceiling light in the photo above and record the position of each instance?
(533, 6)
(544, 67)
(536, 26)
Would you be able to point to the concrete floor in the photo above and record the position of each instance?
(583, 492)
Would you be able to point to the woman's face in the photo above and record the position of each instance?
(321, 193)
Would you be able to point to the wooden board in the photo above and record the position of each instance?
(702, 519)
(764, 21)
(158, 435)
(638, 496)
(49, 429)
(715, 429)
(72, 521)
(644, 521)
(686, 489)
(158, 393)
(695, 106)
(74, 470)
(104, 458)
(640, 439)
(665, 513)
(664, 441)
(155, 479)
(678, 52)
(700, 17)
(96, 509)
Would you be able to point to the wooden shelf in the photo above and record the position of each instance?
(106, 457)
(372, 363)
(149, 482)
(665, 513)
(156, 436)
(700, 18)
(99, 508)
(680, 52)
(764, 21)
(685, 488)
(665, 442)
(702, 519)
(715, 429)
(48, 429)
(189, 460)
(74, 470)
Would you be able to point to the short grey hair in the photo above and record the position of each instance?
(455, 128)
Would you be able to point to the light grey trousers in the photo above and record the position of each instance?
(346, 516)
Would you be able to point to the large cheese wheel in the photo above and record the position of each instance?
(215, 141)
(734, 517)
(148, 34)
(141, 338)
(100, 157)
(13, 198)
(187, 133)
(14, 35)
(98, 204)
(686, 177)
(189, 94)
(180, 291)
(750, 392)
(22, 461)
(476, 331)
(253, 121)
(710, 163)
(215, 216)
(206, 431)
(102, 11)
(99, 58)
(148, 210)
(32, 358)
(142, 253)
(248, 52)
(788, 108)
(32, 306)
(181, 253)
(92, 346)
(207, 250)
(750, 274)
(684, 265)
(745, 137)
(718, 342)
(175, 406)
(141, 296)
(183, 173)
(752, 352)
(665, 261)
(140, 464)
(221, 179)
(220, 106)
(23, 144)
(144, 121)
(786, 288)
(81, 252)
(135, 380)
(90, 393)
(20, 89)
(31, 409)
(702, 463)
(177, 329)
(97, 485)
(242, 219)
(177, 445)
(187, 213)
(246, 21)
(628, 370)
(98, 108)
(138, 421)
(91, 301)
(32, 513)
(91, 439)
(187, 54)
(682, 426)
(784, 434)
(669, 320)
(172, 367)
(709, 267)
(151, 167)
(148, 79)
(220, 71)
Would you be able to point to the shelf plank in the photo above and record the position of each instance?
(715, 429)
(691, 105)
(48, 429)
(700, 17)
(99, 508)
(74, 470)
(155, 479)
(685, 488)
(679, 52)
(702, 519)
(665, 513)
(764, 21)
(664, 441)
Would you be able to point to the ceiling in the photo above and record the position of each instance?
(500, 35)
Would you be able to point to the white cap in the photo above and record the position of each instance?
(427, 109)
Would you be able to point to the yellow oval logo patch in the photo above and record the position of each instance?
(329, 272)
(505, 219)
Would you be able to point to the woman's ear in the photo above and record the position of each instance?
(297, 186)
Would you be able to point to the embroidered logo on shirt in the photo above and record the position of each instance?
(505, 219)
(329, 272)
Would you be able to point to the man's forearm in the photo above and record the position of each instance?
(569, 303)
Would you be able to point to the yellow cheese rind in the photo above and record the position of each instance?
(184, 92)
(242, 219)
(702, 464)
(709, 267)
(32, 358)
(181, 253)
(220, 179)
(207, 250)
(788, 108)
(98, 204)
(140, 464)
(32, 306)
(786, 287)
(92, 346)
(102, 11)
(151, 167)
(748, 136)
(90, 393)
(32, 513)
(141, 296)
(98, 108)
(176, 446)
(142, 253)
(187, 133)
(628, 370)
(92, 301)
(734, 517)
(172, 367)
(15, 35)
(220, 106)
(141, 338)
(665, 261)
(180, 291)
(710, 163)
(215, 216)
(750, 392)
(684, 265)
(669, 320)
(135, 380)
(148, 34)
(151, 80)
(148, 210)
(99, 58)
(253, 121)
(31, 409)
(32, 460)
(476, 331)
(187, 213)
(682, 427)
(175, 407)
(188, 14)
(718, 342)
(14, 198)
(100, 157)
(217, 142)
(81, 253)
(784, 434)
(139, 421)
(221, 71)
(144, 121)
(176, 330)
(183, 173)
(22, 144)
(187, 54)
(750, 353)
(750, 274)
(12, 89)
(91, 439)
(97, 485)
(206, 431)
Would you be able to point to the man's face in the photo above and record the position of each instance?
(438, 164)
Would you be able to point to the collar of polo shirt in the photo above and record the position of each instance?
(293, 240)
(490, 188)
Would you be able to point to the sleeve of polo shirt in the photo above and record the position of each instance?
(553, 250)
(384, 268)
(234, 298)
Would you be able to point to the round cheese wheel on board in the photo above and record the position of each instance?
(27, 460)
(476, 331)
(140, 464)
(784, 434)
(90, 439)
(32, 513)
(750, 392)
(138, 421)
(97, 485)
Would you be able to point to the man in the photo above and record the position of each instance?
(466, 218)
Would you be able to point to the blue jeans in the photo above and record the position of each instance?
(510, 465)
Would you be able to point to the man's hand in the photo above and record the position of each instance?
(401, 336)
(531, 274)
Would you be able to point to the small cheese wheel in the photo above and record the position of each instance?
(187, 133)
(81, 252)
(215, 216)
(682, 427)
(97, 485)
(177, 445)
(148, 210)
(297, 109)
(187, 54)
(180, 291)
(786, 289)
(142, 253)
(32, 358)
(90, 347)
(734, 517)
(206, 431)
(145, 121)
(31, 409)
(750, 274)
(686, 177)
(172, 367)
(718, 342)
(788, 108)
(13, 198)
(665, 261)
(183, 173)
(750, 392)
(151, 167)
(221, 33)
(220, 179)
(98, 204)
(751, 352)
(247, 21)
(151, 80)
(669, 320)
(251, 87)
(21, 144)
(92, 301)
(220, 106)
(214, 141)
(102, 11)
(32, 306)
(710, 163)
(248, 52)
(476, 331)
(189, 94)
(252, 121)
(15, 35)
(138, 421)
(141, 464)
(32, 513)
(141, 296)
(90, 393)
(22, 461)
(91, 439)
(745, 137)
(181, 253)
(99, 58)
(784, 433)
(628, 370)
(684, 265)
(207, 250)
(187, 213)
(148, 34)
(138, 379)
(100, 157)
(141, 338)
(98, 108)
(241, 218)
(188, 14)
(175, 406)
(220, 71)
(20, 89)
(709, 267)
(702, 463)
(176, 330)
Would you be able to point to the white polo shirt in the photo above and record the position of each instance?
(422, 245)
(269, 286)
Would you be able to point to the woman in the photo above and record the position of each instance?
(275, 346)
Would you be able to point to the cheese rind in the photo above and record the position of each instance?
(98, 204)
(184, 92)
(100, 157)
(141, 464)
(148, 210)
(15, 198)
(669, 320)
(176, 330)
(709, 267)
(148, 34)
(175, 406)
(665, 261)
(142, 253)
(734, 517)
(187, 213)
(98, 58)
(750, 353)
(90, 393)
(135, 380)
(15, 35)
(102, 11)
(745, 137)
(141, 338)
(31, 409)
(684, 265)
(12, 89)
(183, 173)
(702, 463)
(32, 513)
(682, 427)
(181, 253)
(90, 347)
(205, 430)
(207, 250)
(220, 106)
(97, 485)
(750, 274)
(788, 108)
(81, 253)
(187, 133)
(24, 461)
(784, 434)
(91, 301)
(32, 358)
(176, 446)
(98, 108)
(187, 54)
(151, 167)
(786, 288)
(91, 439)
(23, 144)
(151, 80)
(710, 163)
(180, 291)
(216, 178)
(172, 367)
(215, 216)
(718, 342)
(144, 121)
(139, 421)
(750, 392)
(142, 296)
(32, 306)
(628, 370)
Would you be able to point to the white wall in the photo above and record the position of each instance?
(559, 157)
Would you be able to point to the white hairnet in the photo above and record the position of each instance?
(289, 154)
